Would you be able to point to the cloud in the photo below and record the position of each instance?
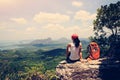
(31, 29)
(56, 31)
(84, 15)
(77, 3)
(44, 17)
(7, 2)
(19, 20)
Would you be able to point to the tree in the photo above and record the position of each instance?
(107, 28)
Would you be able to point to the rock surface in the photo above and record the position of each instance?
(101, 69)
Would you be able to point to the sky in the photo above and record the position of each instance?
(40, 19)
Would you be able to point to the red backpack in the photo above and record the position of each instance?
(94, 51)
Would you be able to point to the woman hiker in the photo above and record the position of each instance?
(73, 51)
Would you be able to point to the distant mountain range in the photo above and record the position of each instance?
(42, 43)
(50, 41)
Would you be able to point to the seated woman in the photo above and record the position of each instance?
(93, 50)
(73, 51)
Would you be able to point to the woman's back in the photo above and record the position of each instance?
(74, 51)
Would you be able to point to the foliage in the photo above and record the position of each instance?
(32, 62)
(21, 64)
(107, 28)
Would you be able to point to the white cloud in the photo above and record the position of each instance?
(77, 3)
(56, 31)
(31, 29)
(44, 17)
(84, 15)
(7, 2)
(19, 20)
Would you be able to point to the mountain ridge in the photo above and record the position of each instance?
(50, 40)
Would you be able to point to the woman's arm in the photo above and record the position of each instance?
(80, 52)
(81, 56)
(67, 50)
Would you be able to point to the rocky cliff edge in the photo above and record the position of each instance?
(101, 69)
